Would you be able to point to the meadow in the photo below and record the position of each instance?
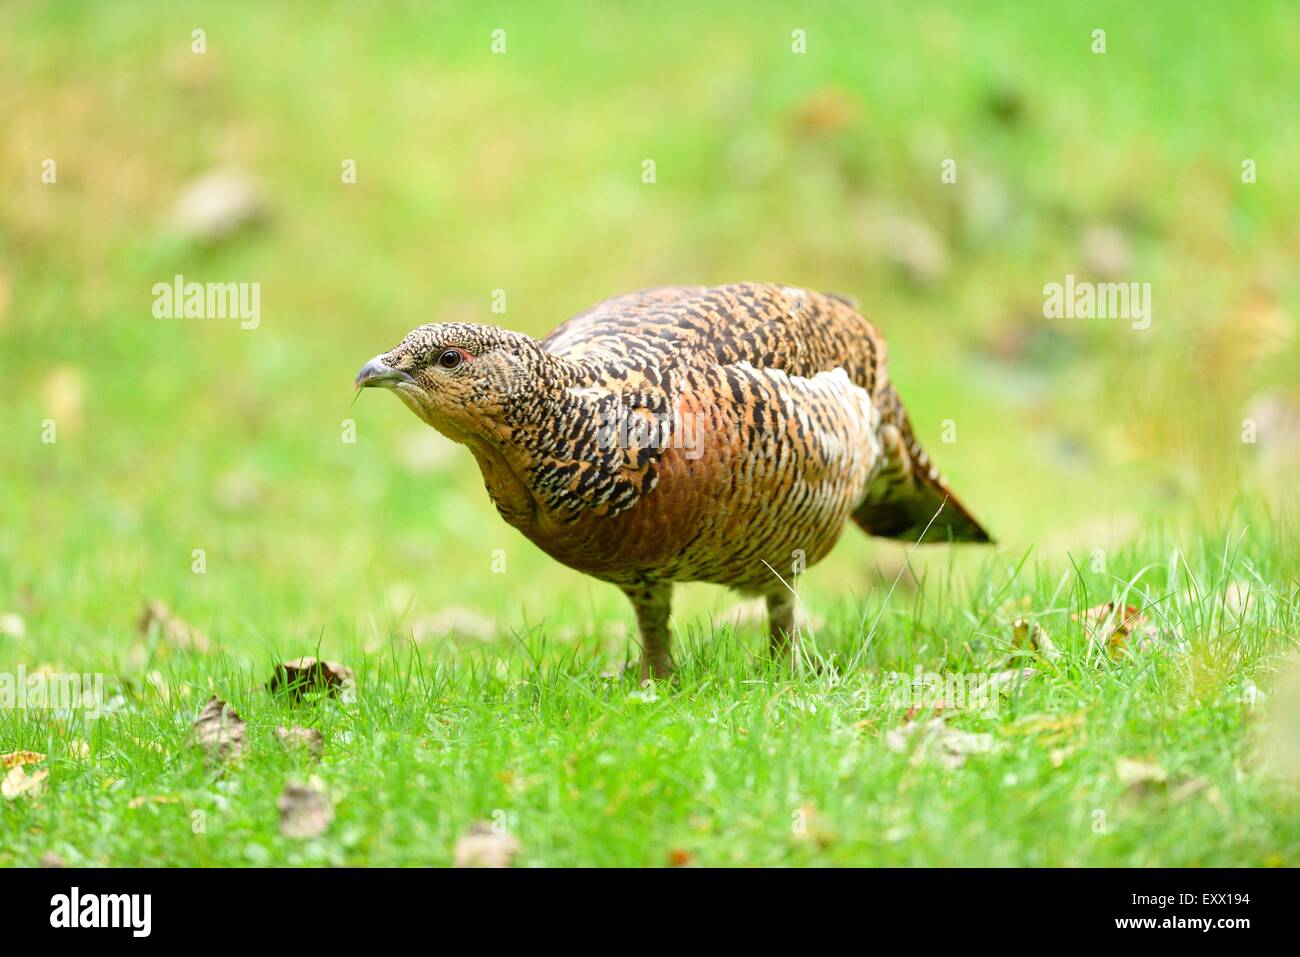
(187, 503)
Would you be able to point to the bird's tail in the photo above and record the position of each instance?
(908, 498)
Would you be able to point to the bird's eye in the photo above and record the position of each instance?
(450, 359)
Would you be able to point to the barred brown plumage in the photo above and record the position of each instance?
(684, 433)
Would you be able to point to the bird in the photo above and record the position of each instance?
(723, 434)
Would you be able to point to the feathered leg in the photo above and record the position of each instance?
(780, 622)
(653, 602)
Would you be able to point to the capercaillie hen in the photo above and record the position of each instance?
(684, 434)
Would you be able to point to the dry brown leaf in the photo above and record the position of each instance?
(933, 740)
(173, 629)
(1045, 724)
(219, 203)
(155, 746)
(1029, 634)
(18, 783)
(907, 242)
(482, 846)
(298, 737)
(63, 397)
(811, 827)
(219, 730)
(1140, 776)
(16, 759)
(1187, 789)
(680, 857)
(305, 811)
(302, 676)
(1050, 731)
(826, 110)
(1002, 682)
(1114, 625)
(1106, 251)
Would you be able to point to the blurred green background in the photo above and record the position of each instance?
(522, 171)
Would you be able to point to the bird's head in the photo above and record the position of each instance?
(463, 379)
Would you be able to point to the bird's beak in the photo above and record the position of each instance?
(376, 372)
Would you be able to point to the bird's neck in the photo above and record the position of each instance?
(510, 450)
(509, 491)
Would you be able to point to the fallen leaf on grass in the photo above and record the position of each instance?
(908, 243)
(1187, 789)
(1045, 724)
(1050, 731)
(173, 629)
(1058, 756)
(680, 857)
(12, 625)
(1107, 252)
(305, 811)
(77, 748)
(219, 730)
(1113, 625)
(154, 746)
(18, 783)
(1140, 776)
(63, 397)
(217, 204)
(298, 737)
(52, 859)
(810, 827)
(826, 110)
(16, 759)
(933, 740)
(1002, 682)
(1239, 598)
(158, 682)
(1029, 634)
(302, 676)
(482, 846)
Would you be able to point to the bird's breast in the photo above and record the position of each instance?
(747, 482)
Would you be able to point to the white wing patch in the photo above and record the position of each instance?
(831, 409)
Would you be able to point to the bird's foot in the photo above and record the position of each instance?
(656, 669)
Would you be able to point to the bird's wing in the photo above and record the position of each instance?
(767, 326)
(639, 341)
(635, 351)
(818, 431)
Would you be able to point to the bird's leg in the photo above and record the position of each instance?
(653, 602)
(780, 622)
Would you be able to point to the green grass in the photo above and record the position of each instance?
(1098, 452)
(589, 769)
